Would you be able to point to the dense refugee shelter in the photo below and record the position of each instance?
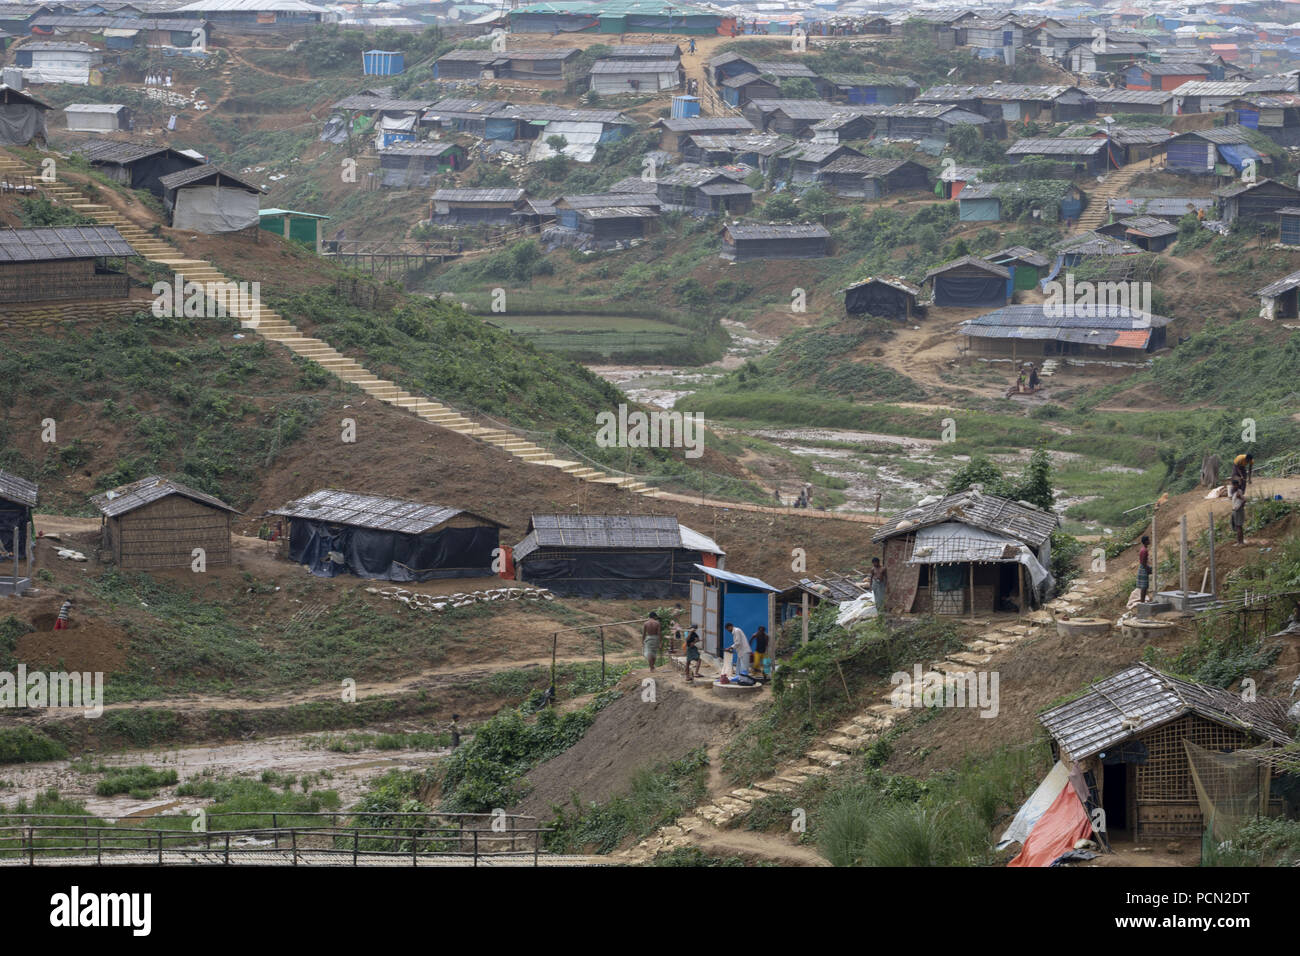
(17, 499)
(613, 556)
(158, 523)
(967, 553)
(393, 539)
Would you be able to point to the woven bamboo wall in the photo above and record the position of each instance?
(1165, 793)
(64, 279)
(164, 535)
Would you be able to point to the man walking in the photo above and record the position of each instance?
(650, 637)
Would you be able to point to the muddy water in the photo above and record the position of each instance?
(289, 756)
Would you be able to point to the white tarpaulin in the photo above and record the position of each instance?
(582, 138)
(20, 123)
(858, 609)
(210, 209)
(956, 543)
(1037, 804)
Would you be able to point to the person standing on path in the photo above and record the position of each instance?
(692, 46)
(1237, 495)
(878, 579)
(650, 637)
(1144, 569)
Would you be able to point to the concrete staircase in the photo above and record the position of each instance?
(1115, 185)
(272, 326)
(855, 735)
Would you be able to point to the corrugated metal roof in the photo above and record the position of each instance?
(698, 123)
(872, 79)
(1212, 88)
(1095, 244)
(454, 107)
(774, 230)
(619, 212)
(93, 108)
(898, 284)
(726, 189)
(529, 111)
(1149, 226)
(1023, 522)
(1098, 325)
(691, 175)
(1219, 135)
(865, 165)
(1237, 188)
(767, 144)
(969, 261)
(368, 103)
(197, 174)
(1105, 94)
(416, 149)
(1186, 68)
(376, 512)
(116, 23)
(956, 93)
(479, 195)
(119, 501)
(1141, 698)
(1043, 146)
(20, 490)
(62, 242)
(817, 152)
(601, 200)
(572, 531)
(1019, 254)
(652, 50)
(117, 151)
(1285, 284)
(1170, 206)
(635, 66)
(250, 6)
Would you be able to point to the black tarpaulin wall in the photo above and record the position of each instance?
(877, 299)
(10, 516)
(612, 574)
(970, 291)
(390, 555)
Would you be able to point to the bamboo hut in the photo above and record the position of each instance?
(1151, 747)
(157, 523)
(17, 499)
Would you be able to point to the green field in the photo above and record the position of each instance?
(592, 335)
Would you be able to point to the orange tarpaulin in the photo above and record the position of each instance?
(1064, 824)
(1132, 338)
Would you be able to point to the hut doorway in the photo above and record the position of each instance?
(1114, 800)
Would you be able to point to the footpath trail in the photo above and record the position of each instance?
(274, 327)
(716, 826)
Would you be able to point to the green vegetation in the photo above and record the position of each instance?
(825, 680)
(656, 797)
(356, 741)
(487, 772)
(25, 745)
(1262, 842)
(140, 782)
(173, 390)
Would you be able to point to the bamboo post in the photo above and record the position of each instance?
(972, 590)
(805, 617)
(1182, 556)
(1214, 589)
(1155, 556)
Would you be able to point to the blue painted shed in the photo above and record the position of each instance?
(724, 596)
(382, 63)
